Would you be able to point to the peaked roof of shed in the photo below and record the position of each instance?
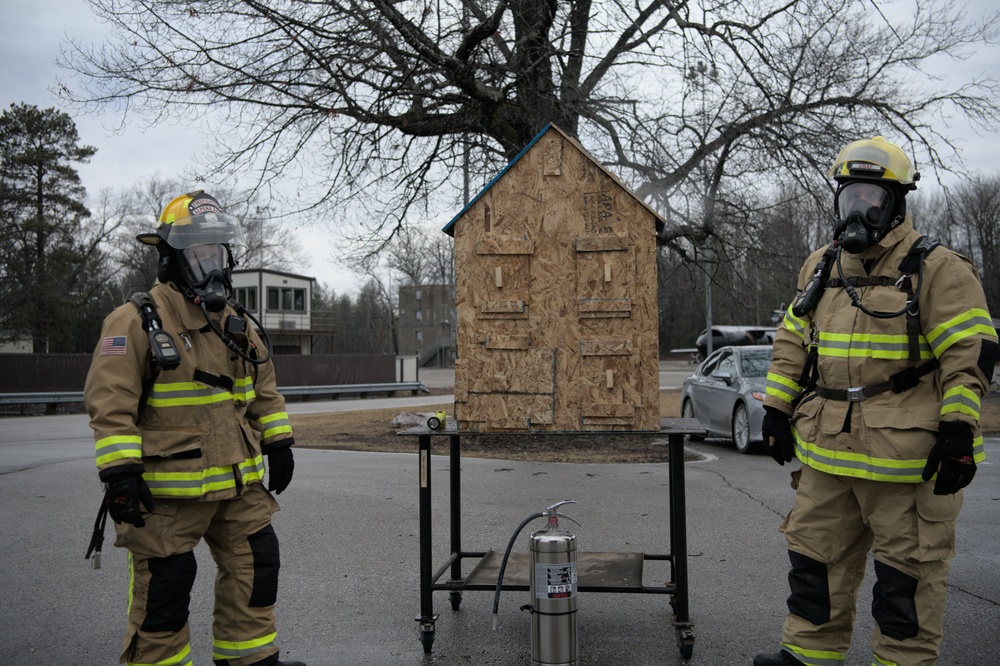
(449, 228)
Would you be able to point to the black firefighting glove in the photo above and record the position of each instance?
(124, 494)
(280, 465)
(951, 458)
(777, 431)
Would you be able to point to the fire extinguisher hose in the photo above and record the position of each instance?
(503, 563)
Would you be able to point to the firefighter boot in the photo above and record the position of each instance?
(776, 659)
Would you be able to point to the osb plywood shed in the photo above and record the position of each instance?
(555, 261)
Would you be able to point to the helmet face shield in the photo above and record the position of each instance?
(204, 229)
(195, 219)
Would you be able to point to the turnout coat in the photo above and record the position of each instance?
(197, 431)
(857, 422)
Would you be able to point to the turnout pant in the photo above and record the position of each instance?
(834, 522)
(162, 571)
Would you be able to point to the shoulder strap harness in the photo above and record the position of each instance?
(165, 356)
(907, 378)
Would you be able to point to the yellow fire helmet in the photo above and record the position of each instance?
(874, 159)
(193, 219)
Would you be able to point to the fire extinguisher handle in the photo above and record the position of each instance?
(554, 508)
(563, 515)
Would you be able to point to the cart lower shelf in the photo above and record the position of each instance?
(596, 572)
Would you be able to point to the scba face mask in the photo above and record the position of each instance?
(866, 213)
(205, 271)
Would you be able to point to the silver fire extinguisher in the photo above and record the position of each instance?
(553, 585)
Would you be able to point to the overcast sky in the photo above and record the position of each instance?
(33, 32)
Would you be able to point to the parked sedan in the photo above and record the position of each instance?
(726, 394)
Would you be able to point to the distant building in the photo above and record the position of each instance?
(282, 303)
(19, 345)
(427, 323)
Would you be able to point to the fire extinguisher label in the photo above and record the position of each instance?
(555, 581)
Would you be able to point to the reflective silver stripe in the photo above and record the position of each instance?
(252, 469)
(873, 346)
(236, 649)
(179, 394)
(782, 387)
(182, 658)
(816, 657)
(973, 322)
(275, 424)
(190, 484)
(117, 447)
(244, 390)
(858, 465)
(794, 324)
(961, 400)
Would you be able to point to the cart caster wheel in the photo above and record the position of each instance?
(685, 641)
(427, 639)
(456, 600)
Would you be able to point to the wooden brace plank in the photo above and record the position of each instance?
(602, 243)
(606, 347)
(490, 246)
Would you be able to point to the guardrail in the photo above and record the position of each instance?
(51, 398)
(337, 390)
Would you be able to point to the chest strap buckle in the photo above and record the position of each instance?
(856, 394)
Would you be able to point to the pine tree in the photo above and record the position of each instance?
(41, 213)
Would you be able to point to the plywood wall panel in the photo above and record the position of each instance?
(556, 299)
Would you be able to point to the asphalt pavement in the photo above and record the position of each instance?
(349, 538)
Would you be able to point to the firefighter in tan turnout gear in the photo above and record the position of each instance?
(878, 371)
(182, 400)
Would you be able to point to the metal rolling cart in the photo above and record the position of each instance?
(598, 572)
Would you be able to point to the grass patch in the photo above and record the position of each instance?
(373, 430)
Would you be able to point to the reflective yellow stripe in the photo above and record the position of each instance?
(277, 423)
(972, 322)
(244, 390)
(182, 394)
(816, 657)
(117, 447)
(962, 401)
(879, 661)
(861, 466)
(794, 324)
(179, 394)
(182, 658)
(782, 388)
(870, 345)
(201, 482)
(252, 469)
(222, 650)
(131, 581)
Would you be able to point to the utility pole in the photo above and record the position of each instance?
(699, 75)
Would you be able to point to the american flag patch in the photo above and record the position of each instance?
(114, 345)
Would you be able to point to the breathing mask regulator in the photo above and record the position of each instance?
(873, 178)
(194, 239)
